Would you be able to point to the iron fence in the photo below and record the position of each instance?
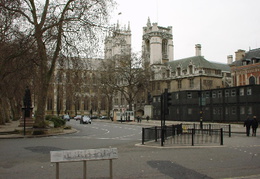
(184, 134)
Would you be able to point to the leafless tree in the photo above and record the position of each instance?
(107, 82)
(17, 56)
(67, 27)
(127, 75)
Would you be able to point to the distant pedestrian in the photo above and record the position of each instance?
(138, 119)
(247, 124)
(147, 118)
(254, 126)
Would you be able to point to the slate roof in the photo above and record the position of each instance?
(198, 61)
(255, 53)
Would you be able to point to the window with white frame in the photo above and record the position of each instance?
(207, 94)
(226, 93)
(189, 110)
(249, 111)
(214, 94)
(226, 110)
(241, 91)
(233, 92)
(219, 94)
(249, 91)
(242, 109)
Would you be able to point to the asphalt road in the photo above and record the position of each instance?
(30, 157)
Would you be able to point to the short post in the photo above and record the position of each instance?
(192, 136)
(162, 135)
(143, 136)
(85, 169)
(57, 171)
(155, 133)
(229, 130)
(111, 168)
(24, 122)
(221, 136)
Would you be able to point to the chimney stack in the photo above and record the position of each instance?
(230, 59)
(198, 50)
(240, 54)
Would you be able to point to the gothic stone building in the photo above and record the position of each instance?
(192, 73)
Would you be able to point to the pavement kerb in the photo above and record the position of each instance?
(16, 136)
(177, 146)
(10, 127)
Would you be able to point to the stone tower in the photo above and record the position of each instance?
(118, 42)
(157, 44)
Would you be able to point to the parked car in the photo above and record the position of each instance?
(66, 117)
(77, 117)
(93, 117)
(103, 117)
(85, 120)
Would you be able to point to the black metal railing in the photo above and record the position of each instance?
(184, 134)
(198, 137)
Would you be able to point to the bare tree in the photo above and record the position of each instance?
(67, 26)
(127, 75)
(17, 56)
(107, 80)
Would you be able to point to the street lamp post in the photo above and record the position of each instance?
(200, 102)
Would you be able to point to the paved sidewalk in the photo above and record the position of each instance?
(235, 128)
(12, 130)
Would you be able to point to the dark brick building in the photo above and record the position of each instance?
(231, 104)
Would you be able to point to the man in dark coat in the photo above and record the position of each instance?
(254, 125)
(247, 124)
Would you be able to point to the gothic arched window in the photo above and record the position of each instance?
(147, 43)
(164, 47)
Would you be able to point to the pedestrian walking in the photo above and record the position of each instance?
(247, 124)
(147, 118)
(138, 119)
(254, 126)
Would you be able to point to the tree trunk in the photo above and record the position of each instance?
(41, 104)
(4, 116)
(16, 109)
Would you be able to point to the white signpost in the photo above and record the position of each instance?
(83, 155)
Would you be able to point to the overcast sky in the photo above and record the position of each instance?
(220, 26)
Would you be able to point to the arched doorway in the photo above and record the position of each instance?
(139, 113)
(251, 80)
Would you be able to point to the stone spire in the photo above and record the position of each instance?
(148, 22)
(117, 25)
(129, 26)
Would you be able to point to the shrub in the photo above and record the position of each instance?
(38, 132)
(58, 122)
(67, 127)
(40, 124)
